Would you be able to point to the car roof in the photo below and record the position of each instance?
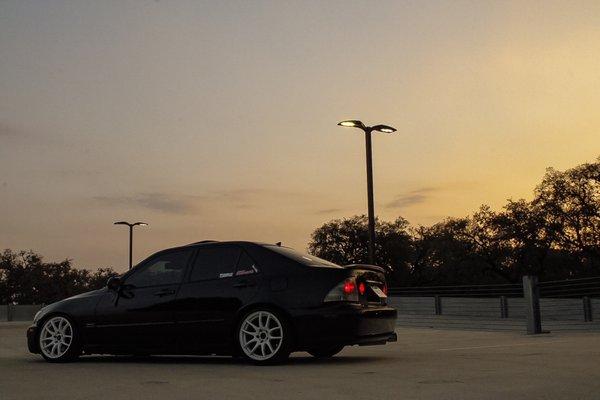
(243, 243)
(259, 251)
(203, 243)
(217, 242)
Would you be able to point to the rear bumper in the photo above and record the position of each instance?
(32, 343)
(347, 324)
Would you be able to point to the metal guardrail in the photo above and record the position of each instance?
(571, 288)
(507, 290)
(565, 303)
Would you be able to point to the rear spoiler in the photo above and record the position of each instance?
(369, 267)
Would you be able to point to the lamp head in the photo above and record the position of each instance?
(352, 123)
(384, 128)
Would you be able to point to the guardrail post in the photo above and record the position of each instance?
(531, 293)
(503, 307)
(438, 305)
(587, 309)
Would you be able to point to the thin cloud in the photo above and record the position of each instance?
(186, 203)
(249, 198)
(7, 131)
(10, 133)
(328, 211)
(423, 194)
(413, 197)
(80, 172)
(171, 204)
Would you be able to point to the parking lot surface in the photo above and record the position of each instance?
(423, 364)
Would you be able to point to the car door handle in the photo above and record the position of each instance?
(244, 284)
(164, 292)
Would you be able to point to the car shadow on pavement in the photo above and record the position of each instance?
(217, 360)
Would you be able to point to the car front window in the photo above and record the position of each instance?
(164, 269)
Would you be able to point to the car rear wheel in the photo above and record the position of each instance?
(58, 340)
(264, 337)
(326, 352)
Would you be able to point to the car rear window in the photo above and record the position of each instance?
(215, 263)
(302, 258)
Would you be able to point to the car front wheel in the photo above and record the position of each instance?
(58, 340)
(264, 337)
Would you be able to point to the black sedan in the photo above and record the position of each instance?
(253, 300)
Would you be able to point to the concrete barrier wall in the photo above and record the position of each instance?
(485, 313)
(562, 309)
(459, 306)
(551, 309)
(413, 305)
(24, 312)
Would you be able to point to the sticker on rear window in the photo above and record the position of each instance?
(247, 271)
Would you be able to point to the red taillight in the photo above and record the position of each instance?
(349, 287)
(344, 291)
(362, 288)
(385, 290)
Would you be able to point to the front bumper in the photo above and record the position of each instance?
(347, 324)
(32, 342)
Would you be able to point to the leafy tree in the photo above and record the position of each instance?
(521, 226)
(345, 241)
(26, 279)
(554, 236)
(99, 277)
(457, 251)
(569, 203)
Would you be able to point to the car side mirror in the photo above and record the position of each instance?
(114, 283)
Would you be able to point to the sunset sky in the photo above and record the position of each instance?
(217, 120)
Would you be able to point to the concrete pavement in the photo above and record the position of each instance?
(423, 364)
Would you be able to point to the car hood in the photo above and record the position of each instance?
(66, 304)
(85, 294)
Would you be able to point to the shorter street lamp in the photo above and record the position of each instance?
(368, 129)
(131, 236)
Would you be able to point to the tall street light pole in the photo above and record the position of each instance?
(367, 130)
(130, 237)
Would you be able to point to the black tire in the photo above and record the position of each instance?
(281, 353)
(326, 352)
(74, 349)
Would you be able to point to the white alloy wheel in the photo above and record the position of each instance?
(261, 335)
(56, 337)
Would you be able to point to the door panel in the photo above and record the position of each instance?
(206, 308)
(138, 318)
(141, 316)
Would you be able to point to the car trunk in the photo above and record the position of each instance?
(374, 281)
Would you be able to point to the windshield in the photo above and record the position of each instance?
(302, 258)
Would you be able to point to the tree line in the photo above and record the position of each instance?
(554, 236)
(26, 279)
